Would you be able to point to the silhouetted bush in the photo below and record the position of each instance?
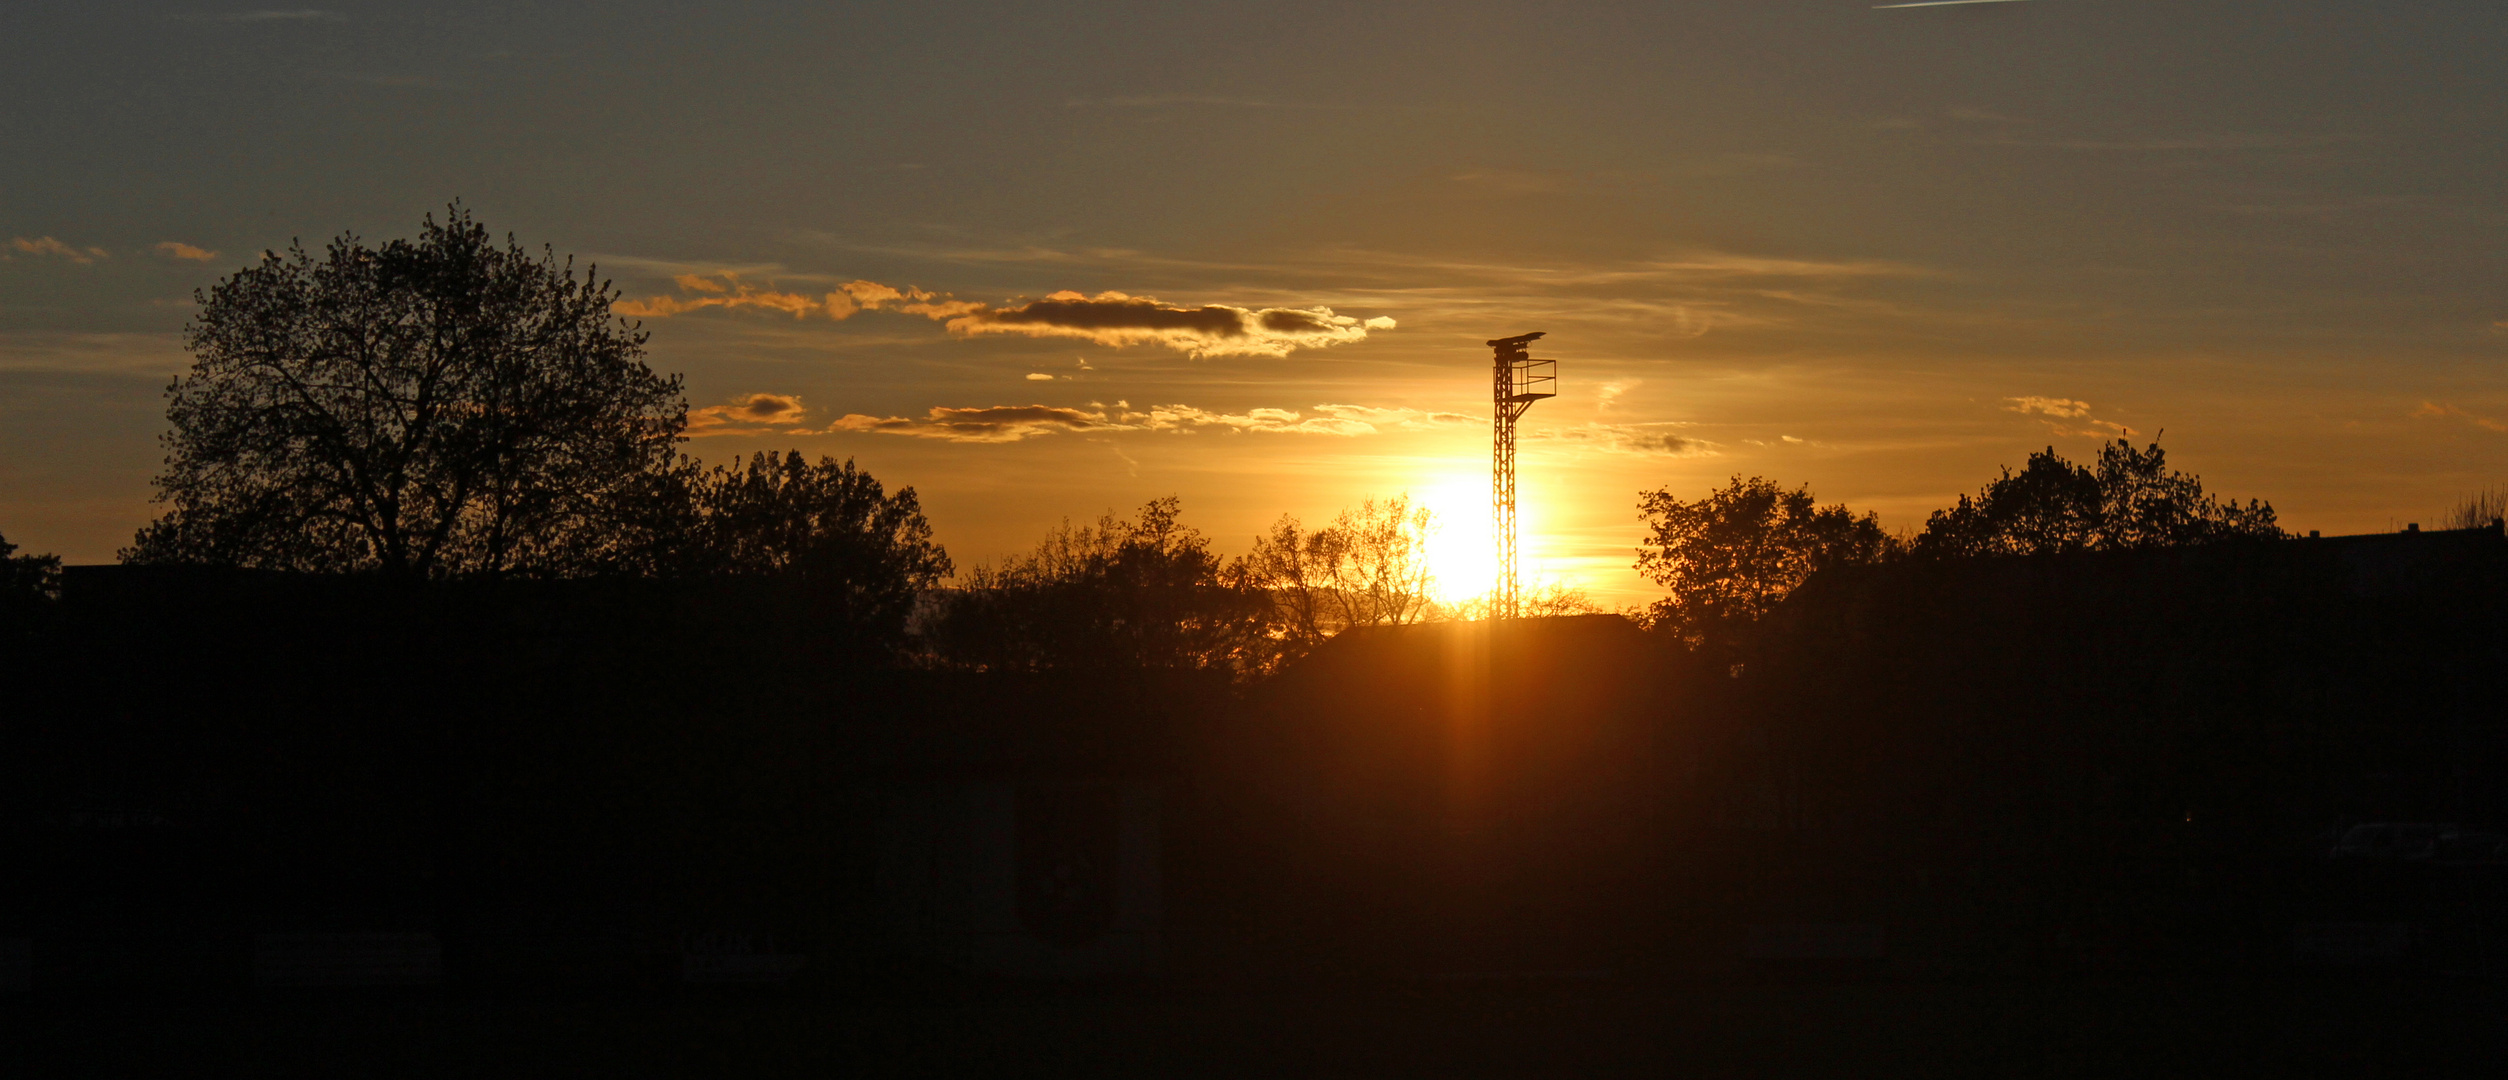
(1731, 557)
(1139, 594)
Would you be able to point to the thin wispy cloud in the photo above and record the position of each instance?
(2066, 416)
(1399, 419)
(1644, 440)
(1013, 423)
(47, 247)
(2225, 141)
(1216, 101)
(176, 249)
(149, 357)
(987, 424)
(2047, 406)
(701, 292)
(2432, 410)
(1942, 3)
(267, 15)
(1693, 265)
(1513, 180)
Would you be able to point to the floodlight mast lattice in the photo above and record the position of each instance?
(1517, 381)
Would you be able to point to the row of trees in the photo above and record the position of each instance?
(1148, 592)
(1729, 558)
(450, 407)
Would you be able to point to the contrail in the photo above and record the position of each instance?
(1942, 3)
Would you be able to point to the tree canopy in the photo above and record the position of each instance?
(2131, 500)
(858, 557)
(429, 408)
(28, 584)
(1368, 568)
(1140, 593)
(1730, 557)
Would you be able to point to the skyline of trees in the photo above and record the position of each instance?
(1142, 592)
(447, 407)
(2129, 500)
(1729, 558)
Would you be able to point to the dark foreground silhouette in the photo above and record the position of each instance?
(2218, 806)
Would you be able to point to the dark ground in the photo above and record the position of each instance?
(1759, 1027)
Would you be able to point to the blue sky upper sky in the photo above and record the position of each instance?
(1883, 252)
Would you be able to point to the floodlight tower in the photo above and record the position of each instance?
(1517, 382)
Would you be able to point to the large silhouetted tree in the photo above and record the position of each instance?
(437, 407)
(1139, 593)
(1728, 558)
(2130, 500)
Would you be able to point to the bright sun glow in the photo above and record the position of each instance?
(1459, 550)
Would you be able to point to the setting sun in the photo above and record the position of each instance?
(1459, 549)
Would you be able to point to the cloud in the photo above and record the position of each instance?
(1108, 318)
(2222, 142)
(1012, 423)
(2048, 406)
(2067, 409)
(1503, 180)
(1518, 181)
(873, 296)
(1973, 115)
(1397, 419)
(150, 357)
(49, 246)
(730, 292)
(298, 15)
(745, 415)
(1187, 419)
(1152, 101)
(993, 424)
(176, 249)
(1114, 318)
(1039, 376)
(2431, 410)
(1647, 440)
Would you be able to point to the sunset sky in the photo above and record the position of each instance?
(1042, 261)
